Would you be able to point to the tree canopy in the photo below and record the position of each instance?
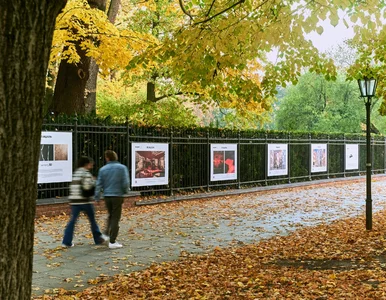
(315, 104)
(122, 103)
(210, 52)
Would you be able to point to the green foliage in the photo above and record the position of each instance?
(119, 103)
(231, 118)
(316, 104)
(213, 51)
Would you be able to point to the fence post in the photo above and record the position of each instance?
(266, 162)
(289, 157)
(310, 157)
(238, 160)
(384, 155)
(328, 155)
(344, 155)
(171, 162)
(75, 150)
(128, 145)
(210, 162)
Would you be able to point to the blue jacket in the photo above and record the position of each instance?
(113, 178)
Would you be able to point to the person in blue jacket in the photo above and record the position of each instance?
(113, 178)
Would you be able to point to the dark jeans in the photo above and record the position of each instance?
(75, 211)
(114, 208)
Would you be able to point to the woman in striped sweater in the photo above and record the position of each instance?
(81, 196)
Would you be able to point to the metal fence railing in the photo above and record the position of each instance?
(189, 155)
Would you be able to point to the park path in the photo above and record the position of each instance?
(153, 234)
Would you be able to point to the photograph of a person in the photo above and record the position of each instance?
(218, 162)
(46, 152)
(277, 161)
(223, 164)
(149, 164)
(61, 151)
(229, 162)
(318, 157)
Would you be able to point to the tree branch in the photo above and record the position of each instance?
(184, 10)
(210, 8)
(174, 94)
(220, 13)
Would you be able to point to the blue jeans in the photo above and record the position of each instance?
(75, 211)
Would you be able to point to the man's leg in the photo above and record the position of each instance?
(109, 206)
(69, 231)
(116, 203)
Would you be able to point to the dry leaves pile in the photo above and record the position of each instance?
(337, 261)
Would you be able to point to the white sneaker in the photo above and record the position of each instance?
(115, 245)
(67, 246)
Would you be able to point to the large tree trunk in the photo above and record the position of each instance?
(75, 89)
(91, 85)
(25, 39)
(69, 93)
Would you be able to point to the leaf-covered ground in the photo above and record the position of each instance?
(340, 260)
(337, 261)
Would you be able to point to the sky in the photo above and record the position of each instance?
(331, 36)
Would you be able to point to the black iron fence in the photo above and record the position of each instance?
(189, 155)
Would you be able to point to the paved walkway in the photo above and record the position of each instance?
(152, 234)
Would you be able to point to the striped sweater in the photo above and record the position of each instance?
(81, 178)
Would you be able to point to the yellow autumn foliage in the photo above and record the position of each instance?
(110, 47)
(211, 51)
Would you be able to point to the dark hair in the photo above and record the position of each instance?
(230, 154)
(111, 155)
(84, 160)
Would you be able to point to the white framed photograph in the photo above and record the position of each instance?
(55, 157)
(150, 164)
(223, 162)
(318, 158)
(352, 156)
(277, 159)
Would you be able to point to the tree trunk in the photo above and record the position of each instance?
(25, 40)
(69, 94)
(113, 10)
(91, 85)
(150, 91)
(75, 89)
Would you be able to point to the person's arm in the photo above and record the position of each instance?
(88, 182)
(98, 186)
(125, 180)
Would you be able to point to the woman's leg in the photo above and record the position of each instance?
(69, 231)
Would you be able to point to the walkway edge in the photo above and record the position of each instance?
(305, 184)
